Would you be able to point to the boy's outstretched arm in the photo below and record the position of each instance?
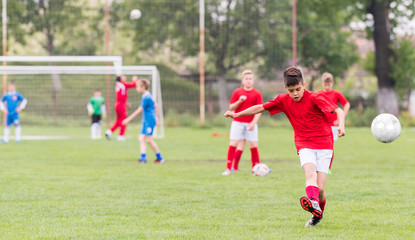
(249, 111)
(340, 117)
(132, 116)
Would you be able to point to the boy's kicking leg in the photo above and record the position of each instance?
(321, 181)
(308, 158)
(311, 202)
(315, 164)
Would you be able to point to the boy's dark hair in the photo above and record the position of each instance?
(144, 82)
(293, 76)
(118, 79)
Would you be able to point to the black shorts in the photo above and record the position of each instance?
(96, 118)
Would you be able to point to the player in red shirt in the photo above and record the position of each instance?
(243, 128)
(121, 96)
(337, 97)
(312, 135)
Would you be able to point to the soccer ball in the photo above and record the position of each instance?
(260, 170)
(135, 14)
(386, 128)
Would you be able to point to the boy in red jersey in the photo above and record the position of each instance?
(121, 96)
(312, 135)
(243, 128)
(337, 97)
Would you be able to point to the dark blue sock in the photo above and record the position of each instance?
(159, 157)
(143, 157)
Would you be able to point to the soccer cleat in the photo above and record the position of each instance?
(142, 161)
(234, 170)
(108, 134)
(227, 172)
(159, 161)
(311, 206)
(313, 221)
(17, 141)
(4, 142)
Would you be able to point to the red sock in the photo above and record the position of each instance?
(322, 205)
(231, 154)
(254, 156)
(236, 159)
(312, 193)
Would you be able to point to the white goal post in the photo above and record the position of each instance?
(116, 69)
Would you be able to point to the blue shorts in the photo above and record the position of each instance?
(13, 118)
(147, 129)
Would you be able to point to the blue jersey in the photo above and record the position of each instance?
(12, 100)
(149, 113)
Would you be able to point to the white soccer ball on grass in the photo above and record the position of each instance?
(135, 14)
(260, 170)
(386, 128)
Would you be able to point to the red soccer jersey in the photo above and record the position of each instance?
(121, 93)
(253, 97)
(337, 97)
(311, 127)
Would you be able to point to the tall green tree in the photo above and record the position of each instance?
(236, 32)
(383, 17)
(58, 20)
(324, 38)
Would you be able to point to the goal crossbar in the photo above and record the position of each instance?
(140, 70)
(116, 60)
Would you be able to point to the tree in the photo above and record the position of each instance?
(324, 41)
(55, 19)
(385, 15)
(236, 33)
(403, 69)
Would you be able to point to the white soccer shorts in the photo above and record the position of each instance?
(239, 131)
(335, 131)
(321, 158)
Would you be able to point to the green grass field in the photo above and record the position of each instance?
(83, 189)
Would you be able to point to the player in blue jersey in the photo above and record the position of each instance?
(11, 104)
(149, 121)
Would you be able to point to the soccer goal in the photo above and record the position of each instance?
(58, 88)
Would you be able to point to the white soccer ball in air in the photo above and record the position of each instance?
(386, 128)
(260, 170)
(135, 14)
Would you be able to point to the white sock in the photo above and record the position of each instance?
(18, 133)
(98, 130)
(93, 131)
(6, 134)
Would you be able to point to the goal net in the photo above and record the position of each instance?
(58, 88)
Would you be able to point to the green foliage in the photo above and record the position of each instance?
(175, 119)
(403, 69)
(236, 32)
(60, 27)
(406, 119)
(361, 119)
(323, 45)
(78, 188)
